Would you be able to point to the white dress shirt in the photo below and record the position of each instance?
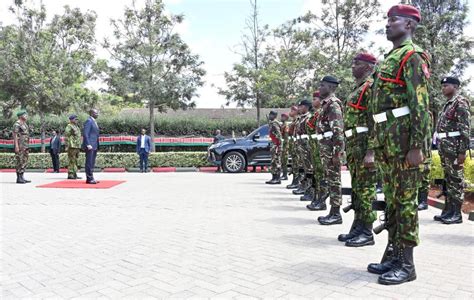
(142, 142)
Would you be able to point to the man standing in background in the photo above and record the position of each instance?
(143, 150)
(21, 136)
(90, 144)
(54, 149)
(72, 133)
(274, 132)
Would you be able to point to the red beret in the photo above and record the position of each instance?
(366, 57)
(405, 10)
(284, 115)
(294, 107)
(316, 94)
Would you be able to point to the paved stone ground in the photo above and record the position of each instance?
(201, 235)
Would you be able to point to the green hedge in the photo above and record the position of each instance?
(132, 124)
(111, 160)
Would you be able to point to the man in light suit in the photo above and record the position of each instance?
(54, 149)
(143, 149)
(90, 144)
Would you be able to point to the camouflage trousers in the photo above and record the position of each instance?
(425, 177)
(305, 155)
(400, 186)
(363, 182)
(454, 177)
(72, 155)
(320, 186)
(332, 173)
(275, 167)
(284, 156)
(21, 159)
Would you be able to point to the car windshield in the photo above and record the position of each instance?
(263, 130)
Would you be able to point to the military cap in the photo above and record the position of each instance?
(367, 57)
(284, 115)
(316, 94)
(330, 79)
(305, 103)
(21, 113)
(404, 10)
(72, 117)
(294, 107)
(273, 113)
(452, 80)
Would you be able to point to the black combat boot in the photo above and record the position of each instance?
(353, 232)
(284, 176)
(404, 271)
(318, 203)
(275, 179)
(19, 179)
(309, 193)
(446, 212)
(456, 216)
(423, 200)
(294, 182)
(25, 180)
(301, 187)
(334, 217)
(365, 237)
(389, 260)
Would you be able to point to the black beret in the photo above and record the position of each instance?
(305, 103)
(330, 79)
(452, 80)
(72, 117)
(273, 113)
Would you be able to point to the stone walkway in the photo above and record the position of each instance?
(203, 235)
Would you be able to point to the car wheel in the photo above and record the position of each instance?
(234, 162)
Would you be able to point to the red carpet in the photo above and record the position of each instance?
(81, 184)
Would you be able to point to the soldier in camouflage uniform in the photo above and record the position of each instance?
(306, 187)
(320, 187)
(330, 134)
(274, 132)
(452, 132)
(401, 123)
(295, 169)
(285, 130)
(21, 138)
(73, 141)
(363, 180)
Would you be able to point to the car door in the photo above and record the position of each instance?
(259, 151)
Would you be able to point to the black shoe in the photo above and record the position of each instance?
(389, 261)
(364, 238)
(275, 179)
(92, 182)
(309, 195)
(71, 177)
(447, 211)
(25, 180)
(19, 179)
(334, 217)
(301, 188)
(77, 177)
(403, 272)
(455, 217)
(318, 203)
(284, 176)
(353, 232)
(294, 182)
(422, 200)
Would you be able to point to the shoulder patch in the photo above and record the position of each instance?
(426, 70)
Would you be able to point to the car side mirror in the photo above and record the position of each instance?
(256, 136)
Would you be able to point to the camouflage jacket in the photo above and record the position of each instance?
(312, 122)
(402, 87)
(301, 126)
(356, 117)
(331, 123)
(285, 132)
(274, 132)
(455, 116)
(22, 134)
(73, 136)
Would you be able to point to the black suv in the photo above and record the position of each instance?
(234, 155)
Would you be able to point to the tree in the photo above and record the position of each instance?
(244, 81)
(47, 60)
(152, 62)
(441, 34)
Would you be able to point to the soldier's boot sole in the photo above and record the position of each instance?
(450, 222)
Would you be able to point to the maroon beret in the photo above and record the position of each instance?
(316, 94)
(294, 107)
(284, 115)
(366, 57)
(405, 10)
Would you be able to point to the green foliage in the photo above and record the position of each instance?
(114, 160)
(437, 171)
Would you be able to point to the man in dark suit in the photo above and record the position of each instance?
(90, 144)
(54, 149)
(143, 149)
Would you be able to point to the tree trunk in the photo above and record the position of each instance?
(151, 106)
(258, 109)
(43, 131)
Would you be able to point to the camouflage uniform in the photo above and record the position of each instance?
(275, 136)
(399, 108)
(285, 147)
(303, 144)
(363, 180)
(320, 187)
(21, 131)
(330, 129)
(453, 119)
(73, 146)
